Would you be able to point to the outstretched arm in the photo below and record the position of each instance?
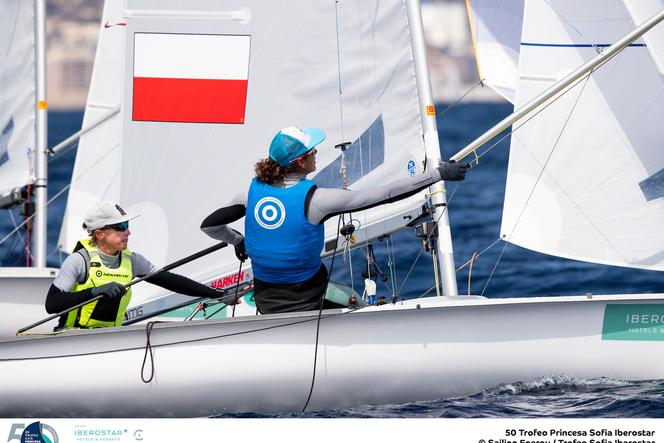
(183, 285)
(327, 202)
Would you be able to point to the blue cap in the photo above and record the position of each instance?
(293, 142)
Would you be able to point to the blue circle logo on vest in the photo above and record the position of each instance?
(270, 213)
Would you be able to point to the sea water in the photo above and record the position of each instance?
(502, 270)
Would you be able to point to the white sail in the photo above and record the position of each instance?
(640, 11)
(17, 94)
(96, 174)
(586, 175)
(292, 58)
(496, 31)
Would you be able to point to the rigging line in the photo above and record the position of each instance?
(478, 255)
(15, 225)
(535, 114)
(426, 292)
(341, 106)
(539, 177)
(318, 318)
(574, 28)
(178, 342)
(495, 266)
(59, 193)
(427, 239)
(411, 269)
(392, 263)
(479, 83)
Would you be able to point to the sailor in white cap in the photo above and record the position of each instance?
(102, 264)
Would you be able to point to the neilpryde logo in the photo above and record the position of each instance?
(270, 213)
(34, 433)
(411, 168)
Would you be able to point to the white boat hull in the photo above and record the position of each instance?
(417, 350)
(22, 296)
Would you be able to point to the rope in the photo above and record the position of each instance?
(478, 255)
(426, 292)
(470, 270)
(391, 263)
(237, 288)
(148, 349)
(411, 269)
(341, 106)
(59, 193)
(435, 272)
(320, 313)
(479, 83)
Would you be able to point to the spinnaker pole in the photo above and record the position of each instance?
(39, 223)
(432, 146)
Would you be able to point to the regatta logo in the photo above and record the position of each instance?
(34, 433)
(270, 213)
(85, 434)
(639, 322)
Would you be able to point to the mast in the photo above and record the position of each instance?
(41, 154)
(432, 146)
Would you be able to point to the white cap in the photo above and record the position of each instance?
(104, 214)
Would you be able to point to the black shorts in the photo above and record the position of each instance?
(272, 298)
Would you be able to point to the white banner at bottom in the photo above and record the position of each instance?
(332, 430)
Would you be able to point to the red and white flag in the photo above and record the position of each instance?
(190, 77)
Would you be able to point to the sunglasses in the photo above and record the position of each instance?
(120, 227)
(312, 152)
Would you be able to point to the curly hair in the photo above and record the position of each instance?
(269, 171)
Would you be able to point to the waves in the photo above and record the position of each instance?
(559, 396)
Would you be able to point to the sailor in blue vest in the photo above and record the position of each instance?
(285, 213)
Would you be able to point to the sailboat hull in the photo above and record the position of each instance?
(22, 296)
(417, 350)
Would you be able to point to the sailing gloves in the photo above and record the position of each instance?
(453, 171)
(241, 252)
(111, 290)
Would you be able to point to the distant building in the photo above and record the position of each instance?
(73, 29)
(69, 61)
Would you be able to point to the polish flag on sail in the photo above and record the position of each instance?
(190, 77)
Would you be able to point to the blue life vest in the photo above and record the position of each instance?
(283, 246)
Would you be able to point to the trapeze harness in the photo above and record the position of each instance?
(98, 274)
